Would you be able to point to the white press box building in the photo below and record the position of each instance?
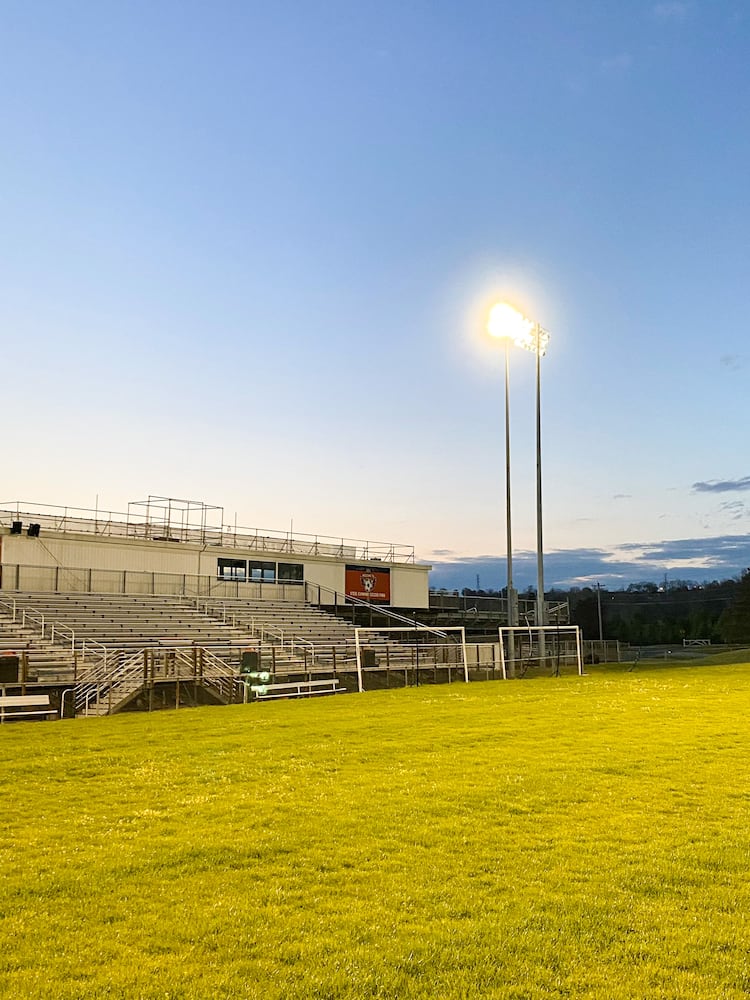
(181, 547)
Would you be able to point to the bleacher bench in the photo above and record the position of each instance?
(21, 706)
(296, 689)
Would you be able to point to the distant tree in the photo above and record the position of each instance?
(644, 587)
(734, 624)
(584, 611)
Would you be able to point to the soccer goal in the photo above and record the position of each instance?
(548, 649)
(418, 652)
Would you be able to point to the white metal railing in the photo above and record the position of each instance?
(298, 642)
(219, 674)
(264, 631)
(107, 682)
(34, 617)
(314, 653)
(89, 646)
(58, 632)
(378, 609)
(155, 525)
(210, 606)
(96, 670)
(69, 636)
(395, 616)
(11, 605)
(270, 631)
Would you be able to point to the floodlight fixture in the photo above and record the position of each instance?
(505, 322)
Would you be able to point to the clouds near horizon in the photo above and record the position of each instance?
(720, 557)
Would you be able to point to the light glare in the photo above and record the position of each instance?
(506, 322)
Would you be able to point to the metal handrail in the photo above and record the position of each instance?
(114, 524)
(377, 608)
(219, 673)
(59, 627)
(274, 633)
(30, 613)
(131, 666)
(209, 605)
(37, 617)
(298, 640)
(10, 604)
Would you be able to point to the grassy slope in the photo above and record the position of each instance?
(553, 838)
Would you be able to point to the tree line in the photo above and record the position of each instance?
(648, 613)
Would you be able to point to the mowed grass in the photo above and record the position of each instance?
(569, 837)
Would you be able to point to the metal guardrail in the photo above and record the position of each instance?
(157, 528)
(56, 630)
(105, 682)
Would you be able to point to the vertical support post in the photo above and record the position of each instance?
(541, 619)
(360, 683)
(416, 649)
(579, 650)
(511, 616)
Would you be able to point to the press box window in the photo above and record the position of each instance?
(232, 569)
(291, 573)
(263, 572)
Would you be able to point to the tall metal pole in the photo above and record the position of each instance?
(508, 532)
(540, 609)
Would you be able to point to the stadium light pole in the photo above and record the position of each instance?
(502, 323)
(513, 326)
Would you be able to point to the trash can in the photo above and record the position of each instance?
(9, 668)
(250, 661)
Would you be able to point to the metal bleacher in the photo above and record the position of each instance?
(64, 633)
(318, 638)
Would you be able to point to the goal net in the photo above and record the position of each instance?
(540, 649)
(422, 654)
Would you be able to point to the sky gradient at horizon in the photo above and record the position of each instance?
(249, 250)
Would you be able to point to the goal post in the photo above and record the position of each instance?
(547, 648)
(400, 647)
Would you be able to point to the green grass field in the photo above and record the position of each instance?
(570, 837)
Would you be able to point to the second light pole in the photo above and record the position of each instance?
(507, 323)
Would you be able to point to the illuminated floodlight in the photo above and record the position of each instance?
(506, 322)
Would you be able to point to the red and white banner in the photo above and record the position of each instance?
(369, 584)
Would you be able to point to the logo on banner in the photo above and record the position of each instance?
(368, 583)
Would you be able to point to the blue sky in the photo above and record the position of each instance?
(248, 249)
